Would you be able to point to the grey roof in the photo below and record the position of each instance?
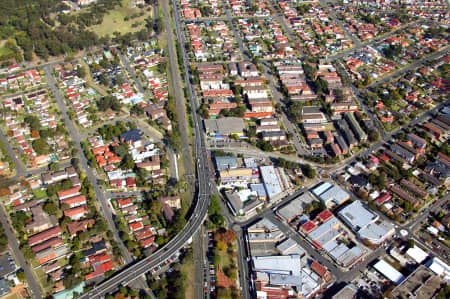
(224, 126)
(289, 246)
(310, 110)
(357, 216)
(341, 142)
(291, 209)
(354, 125)
(226, 162)
(273, 134)
(132, 135)
(259, 188)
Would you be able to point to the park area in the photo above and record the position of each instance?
(123, 19)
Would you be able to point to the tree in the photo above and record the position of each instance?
(53, 167)
(40, 146)
(21, 275)
(81, 71)
(121, 150)
(373, 135)
(137, 110)
(309, 171)
(50, 207)
(225, 236)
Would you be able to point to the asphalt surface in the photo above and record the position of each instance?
(201, 202)
(20, 171)
(14, 245)
(199, 258)
(99, 195)
(330, 11)
(130, 70)
(237, 37)
(288, 125)
(178, 88)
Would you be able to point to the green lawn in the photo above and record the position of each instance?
(5, 51)
(114, 20)
(188, 269)
(39, 194)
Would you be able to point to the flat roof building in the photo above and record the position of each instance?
(271, 181)
(295, 207)
(226, 162)
(422, 283)
(364, 222)
(224, 126)
(329, 194)
(389, 272)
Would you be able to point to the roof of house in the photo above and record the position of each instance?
(69, 192)
(75, 211)
(132, 135)
(43, 236)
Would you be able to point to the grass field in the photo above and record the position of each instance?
(5, 51)
(188, 269)
(114, 20)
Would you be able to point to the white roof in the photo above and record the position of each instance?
(357, 216)
(389, 272)
(417, 254)
(439, 267)
(335, 194)
(246, 193)
(321, 188)
(433, 230)
(288, 265)
(271, 181)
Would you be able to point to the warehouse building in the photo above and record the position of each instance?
(365, 223)
(330, 194)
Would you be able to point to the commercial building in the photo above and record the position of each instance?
(223, 127)
(440, 268)
(417, 254)
(227, 162)
(243, 202)
(295, 207)
(422, 283)
(271, 181)
(365, 223)
(288, 273)
(389, 272)
(347, 292)
(290, 247)
(330, 194)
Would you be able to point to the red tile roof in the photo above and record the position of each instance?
(75, 211)
(45, 235)
(325, 215)
(79, 199)
(69, 192)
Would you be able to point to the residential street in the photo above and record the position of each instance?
(104, 210)
(257, 191)
(14, 245)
